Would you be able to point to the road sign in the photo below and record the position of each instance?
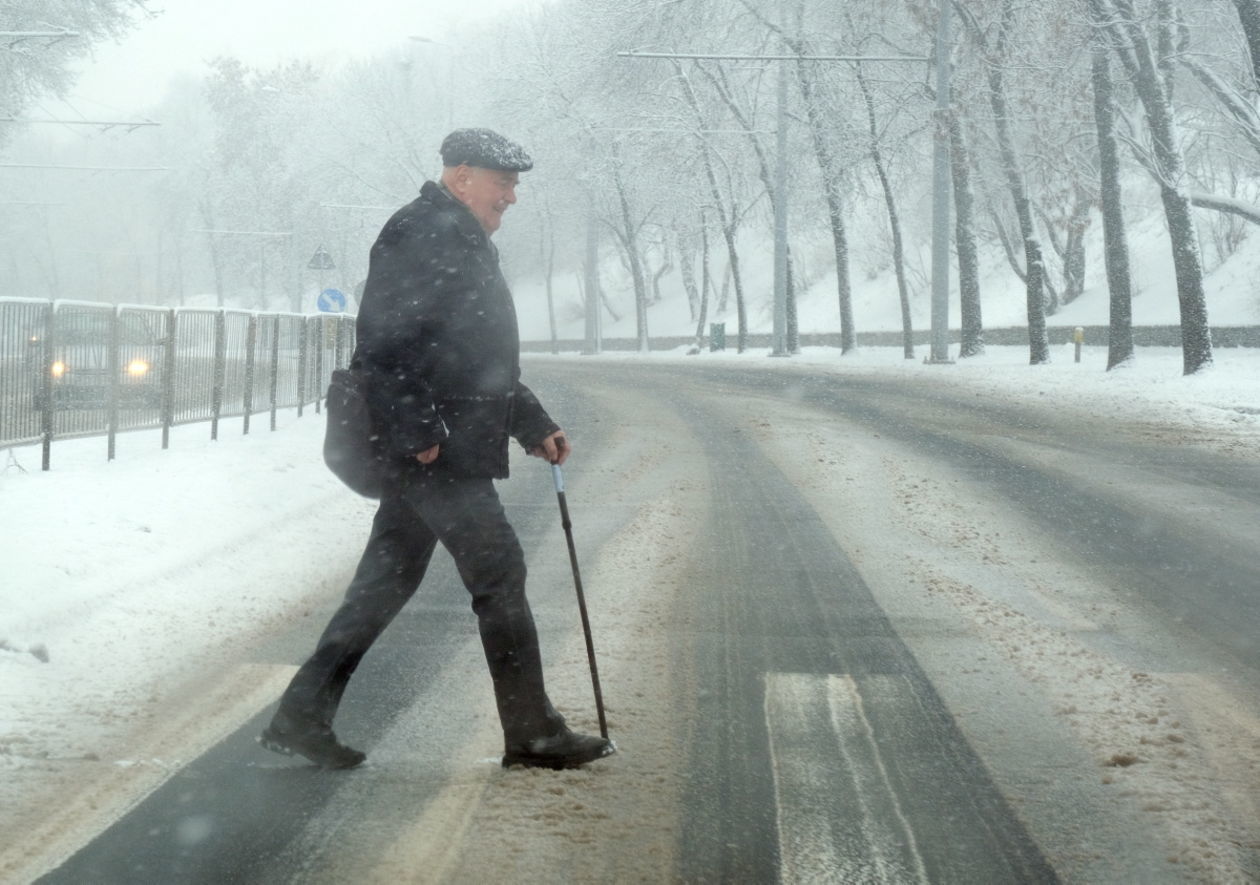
(321, 260)
(331, 301)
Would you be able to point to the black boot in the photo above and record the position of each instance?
(314, 740)
(568, 749)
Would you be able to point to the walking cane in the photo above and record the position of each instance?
(577, 581)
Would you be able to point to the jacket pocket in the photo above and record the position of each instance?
(477, 445)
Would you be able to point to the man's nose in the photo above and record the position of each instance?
(510, 196)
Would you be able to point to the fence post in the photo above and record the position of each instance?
(111, 403)
(168, 377)
(319, 359)
(303, 340)
(251, 341)
(275, 364)
(220, 371)
(50, 340)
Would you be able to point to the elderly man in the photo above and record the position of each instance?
(437, 337)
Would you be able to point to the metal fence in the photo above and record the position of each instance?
(1010, 336)
(73, 369)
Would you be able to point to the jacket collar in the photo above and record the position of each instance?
(442, 199)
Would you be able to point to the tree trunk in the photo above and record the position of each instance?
(835, 209)
(894, 221)
(687, 270)
(666, 267)
(593, 344)
(632, 256)
(1249, 15)
(1196, 336)
(793, 325)
(972, 331)
(1115, 239)
(728, 223)
(741, 310)
(724, 295)
(706, 282)
(763, 170)
(1165, 23)
(1074, 249)
(1038, 344)
(549, 255)
(216, 261)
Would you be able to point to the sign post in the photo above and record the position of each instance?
(321, 261)
(331, 301)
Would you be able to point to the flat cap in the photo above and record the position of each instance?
(486, 149)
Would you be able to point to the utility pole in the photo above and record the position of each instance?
(940, 196)
(780, 343)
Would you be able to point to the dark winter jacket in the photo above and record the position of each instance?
(438, 339)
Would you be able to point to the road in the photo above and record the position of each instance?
(847, 632)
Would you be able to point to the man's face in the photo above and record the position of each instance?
(487, 193)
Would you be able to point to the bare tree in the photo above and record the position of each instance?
(970, 316)
(1116, 248)
(1249, 17)
(1132, 44)
(894, 217)
(995, 51)
(833, 188)
(42, 39)
(727, 210)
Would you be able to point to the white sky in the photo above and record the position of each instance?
(134, 74)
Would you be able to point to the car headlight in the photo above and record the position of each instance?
(58, 369)
(137, 368)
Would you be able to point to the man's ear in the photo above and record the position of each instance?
(456, 179)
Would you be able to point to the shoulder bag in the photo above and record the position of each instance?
(353, 449)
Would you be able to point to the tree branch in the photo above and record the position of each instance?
(1227, 205)
(1247, 117)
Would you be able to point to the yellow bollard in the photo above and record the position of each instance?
(1078, 336)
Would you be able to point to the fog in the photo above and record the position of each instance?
(279, 133)
(836, 595)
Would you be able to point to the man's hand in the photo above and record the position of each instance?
(554, 449)
(428, 456)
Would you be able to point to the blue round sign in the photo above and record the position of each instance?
(331, 301)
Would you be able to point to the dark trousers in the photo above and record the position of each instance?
(465, 515)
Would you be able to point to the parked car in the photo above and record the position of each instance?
(79, 370)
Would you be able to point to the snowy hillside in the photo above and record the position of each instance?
(1233, 289)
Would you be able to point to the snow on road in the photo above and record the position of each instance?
(125, 581)
(1164, 783)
